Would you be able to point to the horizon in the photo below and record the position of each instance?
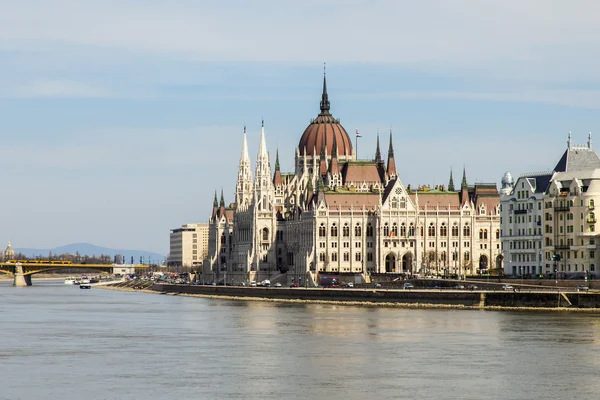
(119, 120)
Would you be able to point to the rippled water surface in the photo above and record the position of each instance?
(60, 342)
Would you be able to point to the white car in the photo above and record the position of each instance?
(278, 284)
(507, 287)
(253, 283)
(408, 285)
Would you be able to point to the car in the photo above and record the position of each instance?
(507, 287)
(377, 285)
(348, 285)
(582, 288)
(253, 283)
(294, 285)
(472, 287)
(278, 284)
(459, 287)
(408, 285)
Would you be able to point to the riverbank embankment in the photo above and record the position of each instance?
(492, 300)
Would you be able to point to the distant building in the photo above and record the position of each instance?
(548, 221)
(9, 253)
(188, 245)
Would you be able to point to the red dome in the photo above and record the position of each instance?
(325, 130)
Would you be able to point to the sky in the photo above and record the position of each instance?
(119, 119)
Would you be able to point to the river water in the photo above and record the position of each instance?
(61, 342)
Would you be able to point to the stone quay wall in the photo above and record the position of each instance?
(465, 298)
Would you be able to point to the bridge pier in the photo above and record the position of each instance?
(20, 279)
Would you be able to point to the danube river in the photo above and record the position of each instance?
(61, 342)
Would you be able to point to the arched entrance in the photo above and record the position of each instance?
(483, 263)
(407, 262)
(390, 263)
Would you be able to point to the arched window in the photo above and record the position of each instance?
(321, 256)
(403, 229)
(467, 256)
(591, 204)
(481, 234)
(223, 239)
(346, 230)
(497, 233)
(265, 234)
(466, 230)
(357, 256)
(485, 233)
(369, 229)
(455, 230)
(346, 256)
(394, 229)
(443, 257)
(431, 230)
(411, 230)
(322, 230)
(386, 230)
(357, 230)
(334, 230)
(333, 256)
(443, 230)
(394, 202)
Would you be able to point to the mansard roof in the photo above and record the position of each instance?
(577, 159)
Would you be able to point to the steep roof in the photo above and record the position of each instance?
(577, 159)
(361, 171)
(345, 201)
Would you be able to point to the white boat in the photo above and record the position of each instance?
(69, 281)
(85, 284)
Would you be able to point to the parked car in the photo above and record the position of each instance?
(377, 285)
(407, 286)
(349, 284)
(472, 287)
(278, 284)
(459, 287)
(294, 285)
(253, 283)
(507, 287)
(582, 288)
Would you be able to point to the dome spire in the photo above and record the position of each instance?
(324, 98)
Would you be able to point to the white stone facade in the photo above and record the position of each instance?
(338, 215)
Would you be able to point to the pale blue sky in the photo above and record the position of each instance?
(119, 119)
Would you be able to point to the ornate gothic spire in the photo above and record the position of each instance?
(222, 202)
(391, 166)
(215, 202)
(324, 97)
(378, 151)
(277, 160)
(451, 182)
(464, 183)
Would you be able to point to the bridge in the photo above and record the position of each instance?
(22, 270)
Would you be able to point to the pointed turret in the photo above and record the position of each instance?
(243, 189)
(277, 180)
(215, 205)
(263, 184)
(378, 151)
(391, 164)
(324, 97)
(464, 188)
(222, 202)
(451, 182)
(334, 168)
(323, 159)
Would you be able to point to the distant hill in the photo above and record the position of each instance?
(87, 249)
